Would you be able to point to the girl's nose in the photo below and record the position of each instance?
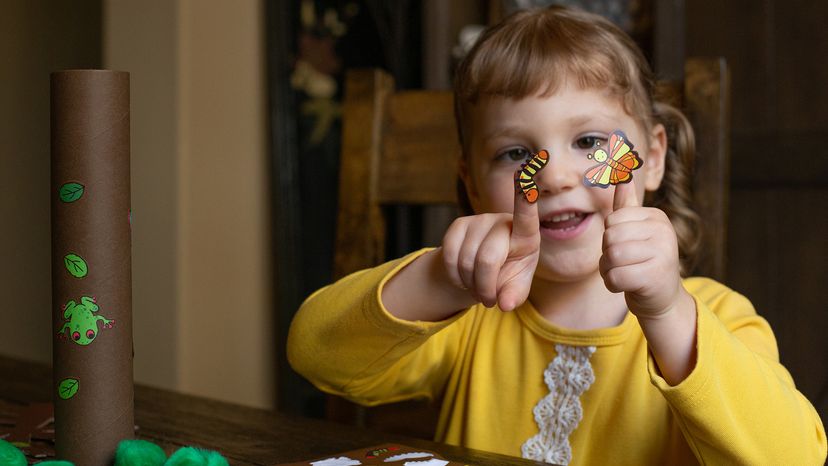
(561, 173)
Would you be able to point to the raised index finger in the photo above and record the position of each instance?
(525, 223)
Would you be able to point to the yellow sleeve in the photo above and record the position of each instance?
(345, 342)
(739, 405)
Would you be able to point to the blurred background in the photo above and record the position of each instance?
(236, 120)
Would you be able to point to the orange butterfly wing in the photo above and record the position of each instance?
(594, 175)
(615, 140)
(629, 162)
(618, 145)
(627, 159)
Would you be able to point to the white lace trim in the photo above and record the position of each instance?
(558, 413)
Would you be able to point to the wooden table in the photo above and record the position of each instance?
(245, 436)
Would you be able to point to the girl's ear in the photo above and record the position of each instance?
(655, 158)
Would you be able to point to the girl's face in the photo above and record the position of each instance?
(506, 132)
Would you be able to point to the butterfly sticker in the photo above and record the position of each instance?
(615, 167)
(525, 179)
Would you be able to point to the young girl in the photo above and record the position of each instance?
(563, 330)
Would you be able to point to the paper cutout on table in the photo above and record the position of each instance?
(431, 462)
(382, 451)
(616, 166)
(30, 428)
(71, 192)
(402, 456)
(525, 177)
(82, 322)
(408, 456)
(68, 388)
(340, 461)
(75, 265)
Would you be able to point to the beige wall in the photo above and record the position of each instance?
(36, 38)
(201, 255)
(226, 307)
(141, 38)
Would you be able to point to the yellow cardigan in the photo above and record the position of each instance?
(486, 367)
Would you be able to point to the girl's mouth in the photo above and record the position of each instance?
(564, 225)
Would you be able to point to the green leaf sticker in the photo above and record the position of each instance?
(71, 192)
(68, 388)
(75, 265)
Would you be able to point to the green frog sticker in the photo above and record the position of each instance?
(82, 321)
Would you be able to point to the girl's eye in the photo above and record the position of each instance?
(517, 154)
(588, 142)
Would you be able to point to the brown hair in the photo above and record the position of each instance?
(534, 51)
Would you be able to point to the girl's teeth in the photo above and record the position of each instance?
(565, 221)
(563, 217)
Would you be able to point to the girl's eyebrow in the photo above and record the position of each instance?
(511, 130)
(579, 120)
(594, 121)
(573, 121)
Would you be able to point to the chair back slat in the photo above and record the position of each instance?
(360, 235)
(420, 150)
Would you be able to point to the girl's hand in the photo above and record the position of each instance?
(640, 256)
(641, 259)
(494, 256)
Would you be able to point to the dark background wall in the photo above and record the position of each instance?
(778, 239)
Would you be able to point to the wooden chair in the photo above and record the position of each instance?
(400, 148)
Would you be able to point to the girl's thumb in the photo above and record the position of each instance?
(625, 196)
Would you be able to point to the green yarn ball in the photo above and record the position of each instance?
(129, 453)
(190, 456)
(139, 453)
(10, 455)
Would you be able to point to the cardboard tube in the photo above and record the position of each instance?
(91, 276)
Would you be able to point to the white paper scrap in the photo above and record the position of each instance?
(431, 462)
(340, 461)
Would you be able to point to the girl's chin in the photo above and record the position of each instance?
(559, 268)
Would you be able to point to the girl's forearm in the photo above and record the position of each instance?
(672, 339)
(422, 291)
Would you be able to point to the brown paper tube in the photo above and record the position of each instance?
(91, 276)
